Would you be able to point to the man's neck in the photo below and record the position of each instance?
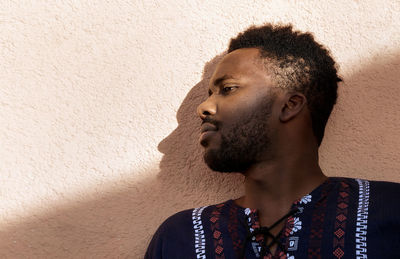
(272, 186)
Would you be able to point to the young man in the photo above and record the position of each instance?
(269, 100)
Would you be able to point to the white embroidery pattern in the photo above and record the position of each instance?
(254, 243)
(306, 199)
(247, 211)
(199, 238)
(296, 225)
(362, 219)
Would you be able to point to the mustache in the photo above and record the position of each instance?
(210, 120)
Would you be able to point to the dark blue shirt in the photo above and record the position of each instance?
(342, 218)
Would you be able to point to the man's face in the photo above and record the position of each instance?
(236, 128)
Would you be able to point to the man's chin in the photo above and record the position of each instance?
(214, 161)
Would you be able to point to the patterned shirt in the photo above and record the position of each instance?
(341, 218)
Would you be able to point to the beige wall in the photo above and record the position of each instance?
(98, 136)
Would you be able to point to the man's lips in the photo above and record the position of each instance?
(208, 127)
(206, 130)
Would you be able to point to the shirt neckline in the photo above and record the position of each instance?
(316, 190)
(251, 216)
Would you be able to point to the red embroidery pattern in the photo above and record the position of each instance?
(233, 230)
(341, 219)
(217, 235)
(317, 225)
(289, 226)
(254, 224)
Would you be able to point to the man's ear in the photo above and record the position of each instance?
(293, 105)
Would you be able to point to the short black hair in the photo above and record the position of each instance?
(298, 63)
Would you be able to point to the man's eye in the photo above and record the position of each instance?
(227, 89)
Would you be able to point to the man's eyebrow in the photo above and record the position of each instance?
(221, 79)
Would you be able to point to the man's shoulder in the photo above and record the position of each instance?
(385, 194)
(378, 195)
(383, 186)
(175, 236)
(177, 221)
(379, 188)
(170, 235)
(183, 220)
(386, 186)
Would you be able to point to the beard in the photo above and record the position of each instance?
(243, 143)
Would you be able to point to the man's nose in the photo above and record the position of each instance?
(207, 108)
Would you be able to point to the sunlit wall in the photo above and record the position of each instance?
(98, 135)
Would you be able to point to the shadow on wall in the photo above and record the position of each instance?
(119, 223)
(182, 169)
(363, 134)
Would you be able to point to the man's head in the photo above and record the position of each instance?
(261, 62)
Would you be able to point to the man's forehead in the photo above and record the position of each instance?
(241, 57)
(238, 63)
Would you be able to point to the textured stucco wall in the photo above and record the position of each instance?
(98, 136)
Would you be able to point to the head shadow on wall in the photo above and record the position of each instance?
(182, 169)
